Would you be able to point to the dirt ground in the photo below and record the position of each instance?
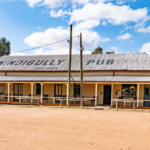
(73, 129)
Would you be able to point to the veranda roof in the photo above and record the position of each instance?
(74, 78)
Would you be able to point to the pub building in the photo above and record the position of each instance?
(106, 77)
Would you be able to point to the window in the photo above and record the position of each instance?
(2, 88)
(76, 90)
(128, 90)
(38, 89)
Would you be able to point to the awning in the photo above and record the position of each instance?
(75, 78)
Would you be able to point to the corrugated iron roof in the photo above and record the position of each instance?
(127, 61)
(75, 78)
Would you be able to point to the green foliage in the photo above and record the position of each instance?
(98, 50)
(4, 47)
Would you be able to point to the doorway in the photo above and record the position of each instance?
(147, 97)
(57, 92)
(18, 91)
(107, 95)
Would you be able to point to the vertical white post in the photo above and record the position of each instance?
(67, 91)
(138, 96)
(8, 90)
(32, 84)
(41, 92)
(112, 86)
(95, 94)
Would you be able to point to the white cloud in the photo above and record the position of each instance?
(32, 3)
(61, 3)
(120, 2)
(112, 13)
(104, 23)
(144, 30)
(51, 35)
(39, 27)
(114, 48)
(88, 24)
(56, 14)
(126, 36)
(17, 54)
(58, 52)
(145, 48)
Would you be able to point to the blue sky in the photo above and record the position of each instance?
(121, 26)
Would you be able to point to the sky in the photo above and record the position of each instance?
(121, 26)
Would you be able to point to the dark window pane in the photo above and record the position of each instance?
(38, 89)
(76, 90)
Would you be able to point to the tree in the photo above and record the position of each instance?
(4, 47)
(98, 50)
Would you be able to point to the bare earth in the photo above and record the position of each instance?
(72, 129)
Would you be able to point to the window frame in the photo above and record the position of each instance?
(2, 84)
(76, 86)
(129, 85)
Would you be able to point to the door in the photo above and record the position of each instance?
(147, 97)
(58, 92)
(18, 91)
(107, 95)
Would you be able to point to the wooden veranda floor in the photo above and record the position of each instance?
(42, 104)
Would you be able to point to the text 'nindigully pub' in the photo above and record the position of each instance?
(105, 77)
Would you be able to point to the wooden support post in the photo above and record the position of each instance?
(8, 91)
(67, 90)
(41, 92)
(60, 103)
(112, 94)
(81, 71)
(117, 105)
(20, 100)
(138, 97)
(38, 102)
(134, 106)
(69, 68)
(32, 84)
(95, 94)
(124, 103)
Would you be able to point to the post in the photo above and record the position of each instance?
(69, 69)
(117, 105)
(20, 100)
(8, 91)
(134, 106)
(32, 84)
(112, 86)
(41, 92)
(81, 70)
(60, 103)
(95, 94)
(138, 94)
(67, 92)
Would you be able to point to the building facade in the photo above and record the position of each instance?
(106, 77)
